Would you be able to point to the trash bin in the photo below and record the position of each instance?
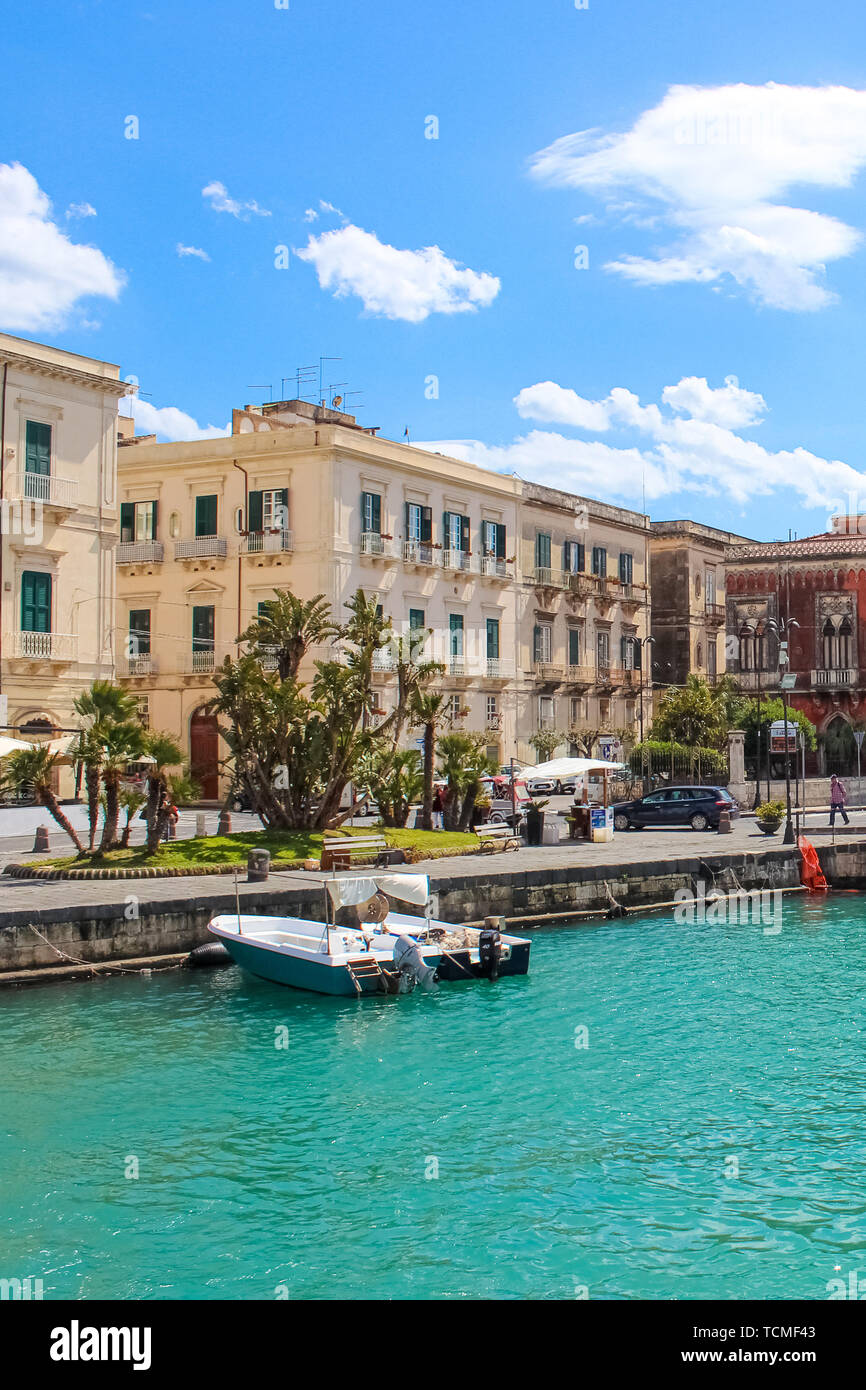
(258, 865)
(550, 832)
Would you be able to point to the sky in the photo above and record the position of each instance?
(615, 247)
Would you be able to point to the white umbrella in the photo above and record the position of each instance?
(568, 767)
(12, 745)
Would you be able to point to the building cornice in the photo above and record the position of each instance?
(57, 371)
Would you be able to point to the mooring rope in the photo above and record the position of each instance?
(94, 967)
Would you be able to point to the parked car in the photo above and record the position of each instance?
(698, 807)
(239, 799)
(543, 786)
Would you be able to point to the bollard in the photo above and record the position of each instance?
(258, 865)
(200, 824)
(41, 841)
(224, 827)
(725, 823)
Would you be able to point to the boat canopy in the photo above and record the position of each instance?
(410, 888)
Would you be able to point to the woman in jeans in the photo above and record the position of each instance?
(838, 797)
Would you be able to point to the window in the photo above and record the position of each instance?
(573, 557)
(574, 646)
(37, 448)
(35, 601)
(492, 639)
(542, 551)
(626, 567)
(712, 657)
(416, 619)
(546, 712)
(142, 710)
(455, 632)
(419, 524)
(268, 510)
(710, 587)
(455, 531)
(138, 642)
(371, 512)
(203, 629)
(138, 521)
(602, 650)
(455, 709)
(577, 709)
(542, 645)
(699, 656)
(627, 650)
(492, 710)
(493, 539)
(206, 516)
(599, 561)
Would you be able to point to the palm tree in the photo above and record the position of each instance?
(131, 800)
(165, 753)
(32, 767)
(123, 744)
(103, 706)
(427, 711)
(287, 626)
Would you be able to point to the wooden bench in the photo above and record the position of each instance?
(494, 836)
(341, 851)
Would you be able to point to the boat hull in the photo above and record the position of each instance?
(283, 969)
(459, 965)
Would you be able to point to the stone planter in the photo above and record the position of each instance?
(769, 827)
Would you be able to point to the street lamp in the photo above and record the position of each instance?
(756, 630)
(787, 682)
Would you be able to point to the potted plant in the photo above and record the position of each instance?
(534, 821)
(769, 816)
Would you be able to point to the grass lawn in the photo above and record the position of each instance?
(285, 847)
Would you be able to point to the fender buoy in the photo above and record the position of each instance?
(211, 953)
(811, 873)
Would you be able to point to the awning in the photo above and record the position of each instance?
(569, 767)
(12, 745)
(410, 888)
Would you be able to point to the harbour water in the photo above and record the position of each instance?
(659, 1110)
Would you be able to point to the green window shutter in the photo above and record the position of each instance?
(203, 629)
(465, 535)
(536, 643)
(492, 639)
(284, 504)
(416, 618)
(542, 551)
(581, 556)
(623, 651)
(574, 646)
(426, 525)
(455, 624)
(139, 632)
(406, 533)
(446, 530)
(501, 540)
(371, 512)
(153, 520)
(625, 568)
(566, 556)
(127, 521)
(254, 511)
(35, 601)
(206, 516)
(37, 447)
(636, 652)
(599, 561)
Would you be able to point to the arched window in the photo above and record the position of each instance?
(747, 649)
(828, 645)
(844, 642)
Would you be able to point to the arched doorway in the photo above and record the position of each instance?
(840, 748)
(204, 753)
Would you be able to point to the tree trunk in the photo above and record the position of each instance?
(451, 808)
(154, 829)
(429, 758)
(127, 830)
(52, 806)
(465, 821)
(91, 782)
(112, 812)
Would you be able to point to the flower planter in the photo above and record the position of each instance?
(769, 827)
(534, 827)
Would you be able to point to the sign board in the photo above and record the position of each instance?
(788, 681)
(777, 736)
(601, 818)
(609, 749)
(859, 735)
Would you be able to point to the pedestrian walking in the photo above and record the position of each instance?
(838, 797)
(438, 803)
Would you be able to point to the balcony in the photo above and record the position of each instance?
(545, 578)
(547, 672)
(420, 553)
(201, 663)
(384, 663)
(458, 668)
(632, 595)
(200, 548)
(139, 553)
(764, 681)
(843, 678)
(51, 491)
(714, 612)
(581, 585)
(494, 567)
(457, 560)
(267, 542)
(580, 675)
(377, 546)
(141, 665)
(493, 668)
(46, 646)
(611, 676)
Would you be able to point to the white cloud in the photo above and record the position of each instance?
(168, 422)
(218, 196)
(43, 274)
(407, 285)
(716, 160)
(80, 210)
(192, 251)
(692, 446)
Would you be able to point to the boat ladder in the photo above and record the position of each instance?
(366, 968)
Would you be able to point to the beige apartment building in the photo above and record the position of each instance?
(688, 600)
(58, 492)
(301, 496)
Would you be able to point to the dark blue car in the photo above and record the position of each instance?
(698, 807)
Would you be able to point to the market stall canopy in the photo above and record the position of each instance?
(568, 767)
(12, 745)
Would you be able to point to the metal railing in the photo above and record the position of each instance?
(44, 487)
(456, 560)
(141, 665)
(580, 675)
(714, 612)
(201, 663)
(372, 543)
(139, 552)
(46, 646)
(546, 671)
(841, 676)
(495, 669)
(546, 578)
(199, 547)
(419, 553)
(267, 542)
(495, 567)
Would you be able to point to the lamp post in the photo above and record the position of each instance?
(787, 682)
(756, 631)
(645, 665)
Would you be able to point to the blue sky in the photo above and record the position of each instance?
(723, 224)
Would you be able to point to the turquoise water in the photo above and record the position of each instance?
(559, 1167)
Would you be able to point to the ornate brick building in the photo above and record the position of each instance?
(817, 583)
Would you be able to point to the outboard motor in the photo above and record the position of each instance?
(411, 966)
(490, 948)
